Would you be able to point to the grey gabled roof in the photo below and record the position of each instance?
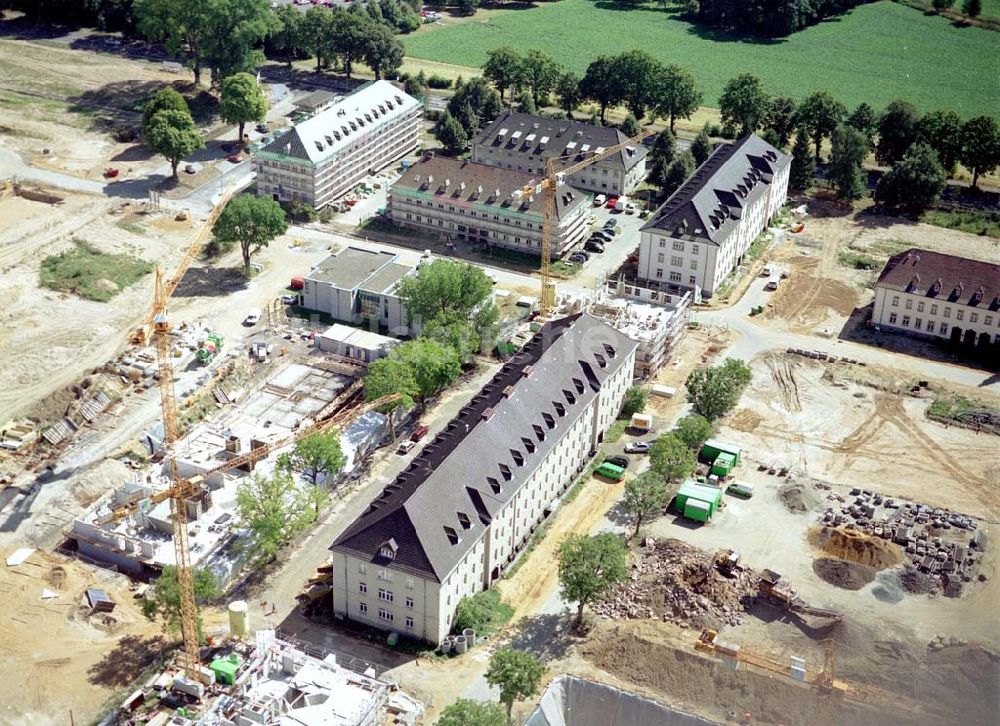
(440, 506)
(708, 206)
(352, 267)
(560, 134)
(949, 278)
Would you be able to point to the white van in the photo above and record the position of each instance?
(599, 200)
(252, 318)
(620, 204)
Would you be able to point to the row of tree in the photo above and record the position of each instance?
(473, 104)
(768, 18)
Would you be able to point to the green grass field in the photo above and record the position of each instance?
(90, 273)
(875, 53)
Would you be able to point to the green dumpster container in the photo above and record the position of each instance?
(697, 510)
(713, 447)
(724, 463)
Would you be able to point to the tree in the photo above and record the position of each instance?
(677, 173)
(671, 458)
(504, 68)
(517, 674)
(701, 147)
(447, 287)
(433, 365)
(318, 456)
(177, 24)
(274, 510)
(972, 8)
(940, 5)
(541, 73)
(242, 100)
(820, 113)
(350, 37)
(660, 156)
(165, 99)
(526, 102)
(234, 33)
(635, 401)
(803, 170)
(290, 38)
(600, 84)
(174, 135)
(897, 129)
(387, 376)
(676, 94)
(630, 127)
(465, 712)
(637, 73)
(251, 222)
(849, 148)
(590, 567)
(383, 52)
(781, 119)
(644, 495)
(864, 119)
(163, 598)
(318, 35)
(468, 7)
(942, 131)
(568, 91)
(451, 135)
(482, 99)
(913, 184)
(713, 391)
(744, 103)
(694, 430)
(980, 146)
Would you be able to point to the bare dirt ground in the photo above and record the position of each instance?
(56, 657)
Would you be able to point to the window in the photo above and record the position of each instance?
(988, 320)
(694, 264)
(663, 243)
(943, 329)
(974, 317)
(363, 587)
(694, 249)
(409, 622)
(385, 595)
(917, 324)
(675, 277)
(892, 318)
(679, 246)
(959, 314)
(692, 280)
(659, 272)
(363, 607)
(409, 582)
(909, 304)
(933, 309)
(384, 574)
(659, 258)
(362, 569)
(947, 312)
(920, 307)
(676, 261)
(409, 602)
(895, 301)
(384, 615)
(906, 320)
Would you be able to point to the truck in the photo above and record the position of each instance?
(641, 422)
(621, 204)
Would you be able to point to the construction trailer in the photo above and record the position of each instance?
(723, 464)
(713, 447)
(698, 502)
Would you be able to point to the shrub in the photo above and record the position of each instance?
(300, 212)
(438, 82)
(484, 612)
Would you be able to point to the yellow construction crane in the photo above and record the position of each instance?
(547, 187)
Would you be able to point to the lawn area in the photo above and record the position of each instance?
(90, 273)
(875, 53)
(973, 222)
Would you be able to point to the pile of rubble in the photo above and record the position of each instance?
(675, 582)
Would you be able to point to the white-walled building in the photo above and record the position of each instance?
(456, 199)
(940, 296)
(362, 345)
(356, 285)
(459, 514)
(327, 154)
(523, 142)
(700, 234)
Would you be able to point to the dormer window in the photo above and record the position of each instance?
(463, 519)
(387, 550)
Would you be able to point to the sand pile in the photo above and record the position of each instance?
(856, 546)
(843, 573)
(797, 497)
(676, 582)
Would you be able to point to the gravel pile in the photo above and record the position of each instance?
(844, 574)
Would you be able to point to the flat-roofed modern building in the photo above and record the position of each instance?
(941, 296)
(477, 203)
(459, 514)
(700, 234)
(327, 154)
(523, 142)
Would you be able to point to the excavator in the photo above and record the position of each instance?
(776, 591)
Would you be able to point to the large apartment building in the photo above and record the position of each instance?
(522, 142)
(456, 199)
(940, 296)
(326, 155)
(459, 514)
(700, 234)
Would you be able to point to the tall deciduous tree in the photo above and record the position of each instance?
(820, 113)
(388, 376)
(848, 151)
(676, 94)
(630, 127)
(504, 68)
(290, 37)
(242, 100)
(465, 712)
(165, 99)
(235, 34)
(174, 135)
(590, 567)
(897, 129)
(451, 135)
(972, 8)
(383, 52)
(781, 119)
(913, 184)
(660, 157)
(671, 458)
(677, 172)
(517, 674)
(447, 287)
(694, 430)
(714, 391)
(980, 146)
(318, 456)
(942, 131)
(163, 599)
(635, 401)
(178, 24)
(541, 73)
(350, 37)
(701, 147)
(482, 99)
(745, 103)
(637, 73)
(274, 510)
(864, 119)
(803, 169)
(568, 91)
(318, 35)
(433, 365)
(644, 495)
(601, 85)
(252, 223)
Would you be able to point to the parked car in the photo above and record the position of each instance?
(599, 200)
(772, 284)
(235, 158)
(621, 461)
(289, 299)
(637, 447)
(419, 432)
(604, 234)
(594, 245)
(611, 226)
(192, 168)
(630, 208)
(252, 318)
(405, 447)
(579, 257)
(610, 471)
(610, 204)
(262, 128)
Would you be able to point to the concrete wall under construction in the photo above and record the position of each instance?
(570, 701)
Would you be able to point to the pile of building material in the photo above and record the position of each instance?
(941, 548)
(676, 582)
